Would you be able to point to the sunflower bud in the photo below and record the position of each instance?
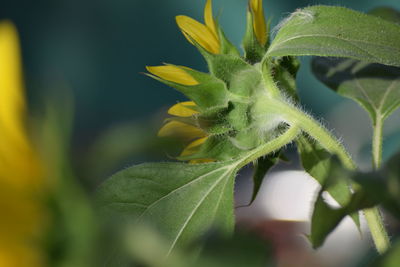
(228, 114)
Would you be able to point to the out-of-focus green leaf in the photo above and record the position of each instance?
(325, 218)
(242, 249)
(371, 189)
(387, 13)
(375, 87)
(337, 32)
(72, 230)
(182, 200)
(318, 163)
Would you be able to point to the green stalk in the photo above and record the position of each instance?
(377, 143)
(286, 138)
(377, 229)
(296, 116)
(372, 215)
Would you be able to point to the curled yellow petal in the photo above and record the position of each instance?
(259, 25)
(173, 74)
(209, 19)
(183, 109)
(193, 146)
(203, 35)
(174, 128)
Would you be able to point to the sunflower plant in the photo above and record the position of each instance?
(246, 110)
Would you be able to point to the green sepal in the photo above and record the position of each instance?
(226, 46)
(284, 72)
(261, 168)
(317, 162)
(222, 66)
(218, 147)
(246, 81)
(214, 122)
(238, 116)
(254, 51)
(210, 93)
(226, 67)
(247, 139)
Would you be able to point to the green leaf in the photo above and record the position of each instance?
(325, 218)
(375, 87)
(182, 200)
(338, 32)
(261, 168)
(318, 163)
(373, 188)
(285, 71)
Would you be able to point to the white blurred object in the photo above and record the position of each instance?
(289, 195)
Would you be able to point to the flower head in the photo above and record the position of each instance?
(222, 118)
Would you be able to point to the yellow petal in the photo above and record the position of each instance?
(197, 161)
(193, 146)
(179, 128)
(198, 32)
(209, 19)
(259, 25)
(173, 74)
(183, 109)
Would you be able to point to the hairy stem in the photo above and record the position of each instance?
(373, 216)
(315, 130)
(286, 138)
(377, 229)
(377, 143)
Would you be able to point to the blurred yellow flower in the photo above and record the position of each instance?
(21, 179)
(259, 25)
(206, 34)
